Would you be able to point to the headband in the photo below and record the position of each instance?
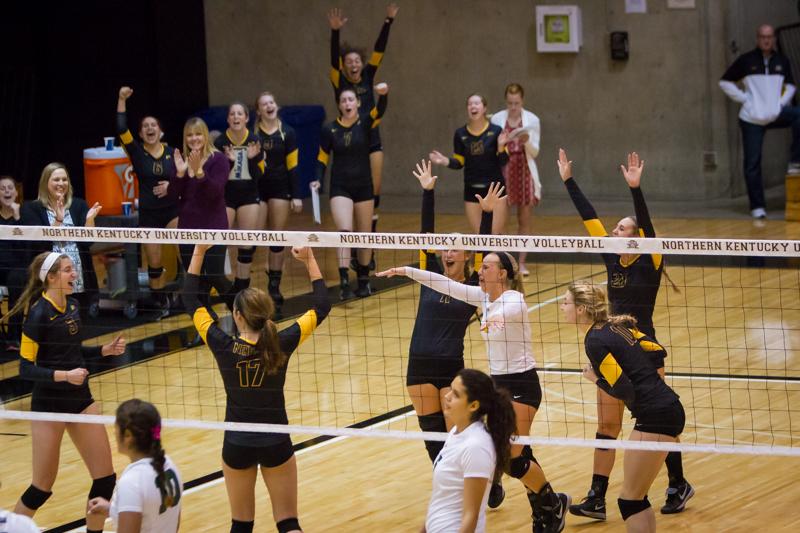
(508, 264)
(48, 263)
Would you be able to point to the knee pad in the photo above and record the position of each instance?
(519, 466)
(376, 201)
(154, 273)
(527, 451)
(246, 255)
(237, 526)
(287, 524)
(103, 487)
(34, 498)
(600, 436)
(628, 508)
(276, 249)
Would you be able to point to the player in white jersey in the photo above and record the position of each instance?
(506, 328)
(148, 493)
(478, 445)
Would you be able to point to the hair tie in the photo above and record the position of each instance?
(47, 264)
(155, 431)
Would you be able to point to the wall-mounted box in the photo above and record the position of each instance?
(558, 29)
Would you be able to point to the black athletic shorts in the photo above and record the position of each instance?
(356, 192)
(157, 218)
(269, 189)
(375, 140)
(72, 401)
(239, 193)
(663, 421)
(269, 456)
(471, 189)
(524, 387)
(438, 371)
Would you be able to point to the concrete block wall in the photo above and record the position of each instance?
(664, 102)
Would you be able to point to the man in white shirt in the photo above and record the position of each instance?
(766, 104)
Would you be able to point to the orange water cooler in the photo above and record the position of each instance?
(109, 179)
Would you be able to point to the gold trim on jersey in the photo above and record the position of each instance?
(459, 158)
(55, 305)
(610, 369)
(291, 159)
(486, 127)
(595, 228)
(202, 321)
(28, 348)
(323, 156)
(244, 140)
(335, 76)
(126, 137)
(376, 58)
(308, 323)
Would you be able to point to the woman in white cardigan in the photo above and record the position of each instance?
(521, 175)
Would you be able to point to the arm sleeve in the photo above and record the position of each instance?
(256, 165)
(427, 259)
(336, 60)
(611, 378)
(122, 129)
(380, 44)
(33, 335)
(32, 372)
(290, 145)
(502, 157)
(587, 212)
(176, 184)
(380, 108)
(478, 461)
(731, 77)
(788, 93)
(200, 316)
(216, 171)
(92, 352)
(733, 91)
(297, 333)
(457, 161)
(535, 136)
(325, 147)
(642, 214)
(128, 496)
(442, 284)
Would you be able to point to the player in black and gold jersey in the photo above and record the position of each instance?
(348, 71)
(52, 356)
(351, 192)
(622, 365)
(436, 351)
(243, 149)
(278, 190)
(253, 367)
(633, 283)
(152, 161)
(479, 148)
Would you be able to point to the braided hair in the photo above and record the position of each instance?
(142, 420)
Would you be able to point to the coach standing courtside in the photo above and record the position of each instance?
(766, 104)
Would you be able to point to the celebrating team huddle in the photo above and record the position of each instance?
(248, 179)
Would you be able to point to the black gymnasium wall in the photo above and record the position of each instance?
(63, 64)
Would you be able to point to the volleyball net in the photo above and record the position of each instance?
(730, 327)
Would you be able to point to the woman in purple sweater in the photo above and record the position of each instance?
(201, 172)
